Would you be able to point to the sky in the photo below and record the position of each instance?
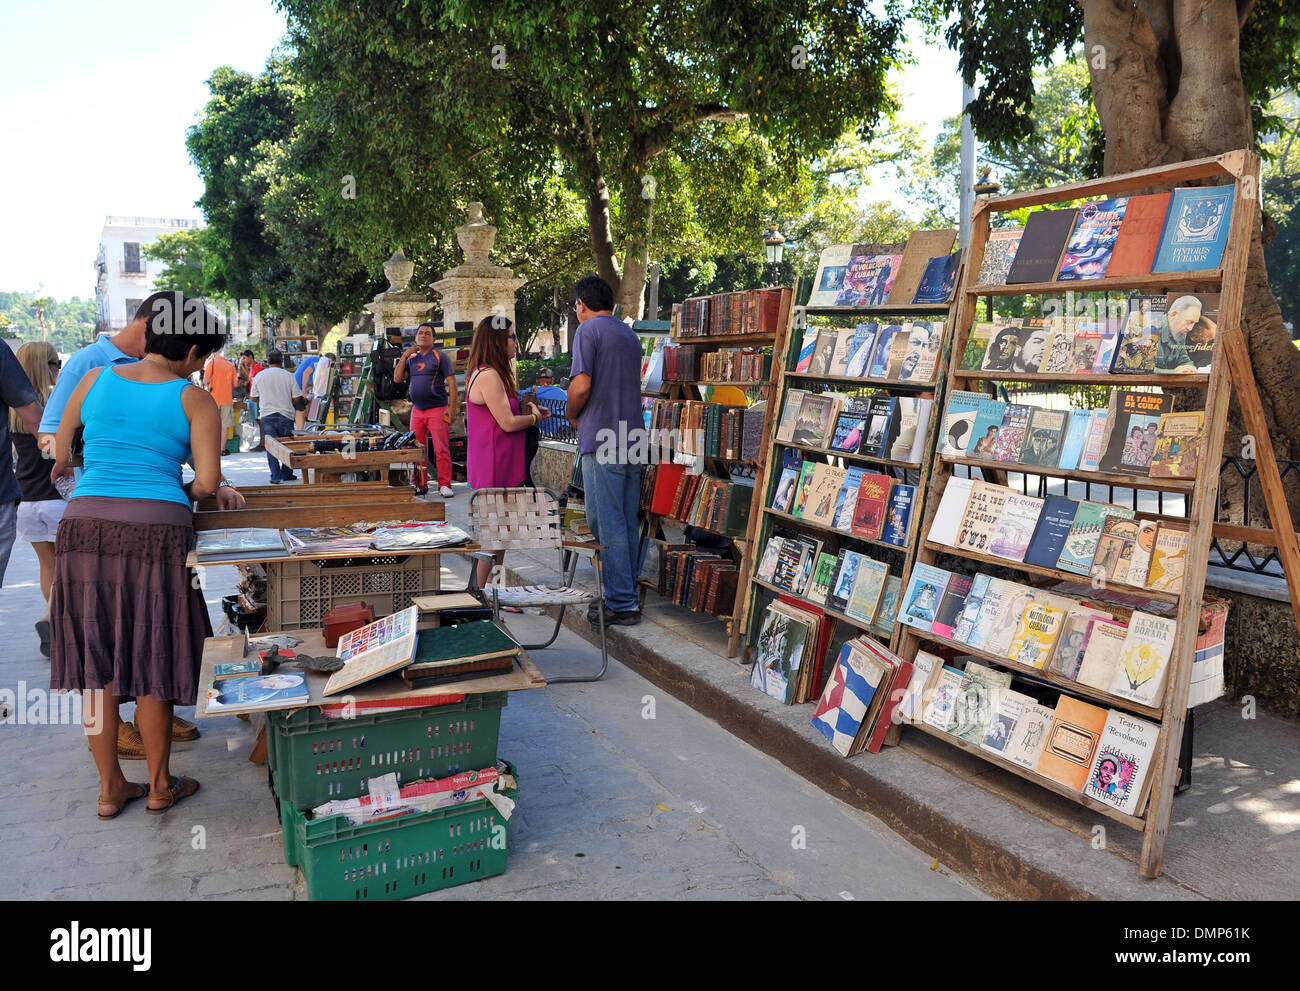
(98, 96)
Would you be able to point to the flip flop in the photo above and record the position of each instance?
(144, 790)
(181, 788)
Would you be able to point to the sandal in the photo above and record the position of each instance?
(181, 788)
(117, 807)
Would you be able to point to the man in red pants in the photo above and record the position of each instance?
(434, 404)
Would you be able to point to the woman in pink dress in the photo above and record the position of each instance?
(494, 423)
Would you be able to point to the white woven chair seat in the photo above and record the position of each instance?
(541, 595)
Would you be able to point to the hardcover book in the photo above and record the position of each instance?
(1053, 528)
(978, 522)
(1102, 646)
(1041, 246)
(1114, 551)
(1072, 742)
(958, 422)
(869, 279)
(1121, 765)
(976, 701)
(1133, 421)
(873, 500)
(938, 281)
(1195, 230)
(1035, 636)
(1139, 235)
(922, 247)
(1168, 559)
(831, 267)
(1075, 436)
(1015, 527)
(1085, 531)
(987, 427)
(1178, 445)
(950, 606)
(952, 507)
(1030, 736)
(921, 600)
(1009, 707)
(1044, 437)
(999, 253)
(1096, 232)
(1011, 438)
(1144, 659)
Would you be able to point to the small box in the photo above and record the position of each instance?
(344, 618)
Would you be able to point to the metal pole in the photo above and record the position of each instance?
(967, 193)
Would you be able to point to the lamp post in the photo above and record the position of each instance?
(774, 246)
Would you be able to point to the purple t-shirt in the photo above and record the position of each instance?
(606, 349)
(429, 374)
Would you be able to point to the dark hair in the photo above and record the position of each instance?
(491, 347)
(594, 292)
(544, 370)
(247, 353)
(174, 323)
(274, 358)
(425, 324)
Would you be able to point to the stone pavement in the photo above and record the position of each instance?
(613, 804)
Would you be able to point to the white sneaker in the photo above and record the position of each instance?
(446, 492)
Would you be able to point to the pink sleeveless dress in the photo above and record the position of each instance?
(494, 458)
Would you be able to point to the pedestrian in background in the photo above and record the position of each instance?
(279, 399)
(219, 377)
(434, 405)
(19, 395)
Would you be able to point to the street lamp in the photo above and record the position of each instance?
(774, 245)
(987, 186)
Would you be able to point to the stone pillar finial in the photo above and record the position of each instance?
(399, 271)
(476, 236)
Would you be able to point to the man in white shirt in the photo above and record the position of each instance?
(278, 397)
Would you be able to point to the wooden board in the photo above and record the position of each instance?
(341, 514)
(221, 650)
(439, 603)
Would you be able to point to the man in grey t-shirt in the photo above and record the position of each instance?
(278, 397)
(604, 402)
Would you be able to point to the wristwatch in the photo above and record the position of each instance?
(226, 483)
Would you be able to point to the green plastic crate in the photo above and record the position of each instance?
(315, 760)
(400, 858)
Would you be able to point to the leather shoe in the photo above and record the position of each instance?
(183, 731)
(630, 618)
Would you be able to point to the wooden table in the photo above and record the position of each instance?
(295, 453)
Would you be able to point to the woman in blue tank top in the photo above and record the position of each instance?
(127, 617)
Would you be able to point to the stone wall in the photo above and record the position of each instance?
(1262, 653)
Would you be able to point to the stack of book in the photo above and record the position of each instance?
(848, 583)
(313, 540)
(853, 500)
(787, 652)
(880, 426)
(751, 312)
(921, 272)
(1096, 540)
(700, 581)
(906, 351)
(735, 365)
(858, 704)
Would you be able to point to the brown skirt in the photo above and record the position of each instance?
(126, 614)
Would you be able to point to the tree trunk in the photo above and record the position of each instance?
(1166, 78)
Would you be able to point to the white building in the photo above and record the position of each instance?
(124, 277)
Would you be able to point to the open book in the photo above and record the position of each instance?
(377, 649)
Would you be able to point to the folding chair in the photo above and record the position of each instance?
(523, 519)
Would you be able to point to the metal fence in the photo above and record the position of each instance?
(557, 426)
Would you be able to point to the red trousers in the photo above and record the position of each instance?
(430, 423)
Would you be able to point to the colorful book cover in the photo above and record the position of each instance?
(823, 574)
(949, 610)
(1178, 445)
(1096, 438)
(898, 517)
(1072, 742)
(1087, 342)
(868, 280)
(864, 338)
(990, 603)
(976, 345)
(1135, 351)
(903, 434)
(816, 417)
(849, 432)
(1044, 437)
(1041, 246)
(887, 614)
(802, 489)
(1049, 536)
(1011, 438)
(924, 590)
(847, 499)
(1196, 229)
(1030, 736)
(1096, 232)
(939, 279)
(844, 701)
(790, 415)
(807, 349)
(843, 348)
(1085, 531)
(958, 421)
(1144, 659)
(882, 347)
(1134, 422)
(243, 694)
(1122, 762)
(976, 700)
(999, 253)
(785, 488)
(1168, 559)
(826, 483)
(873, 500)
(952, 508)
(987, 427)
(879, 419)
(1072, 642)
(922, 247)
(1035, 635)
(1139, 235)
(831, 268)
(1075, 436)
(868, 586)
(983, 509)
(1009, 708)
(1115, 549)
(780, 649)
(1106, 347)
(970, 609)
(1188, 335)
(1015, 527)
(846, 573)
(924, 341)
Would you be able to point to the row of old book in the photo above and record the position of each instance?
(919, 272)
(891, 428)
(750, 312)
(1083, 641)
(714, 430)
(907, 351)
(1096, 540)
(716, 504)
(1137, 434)
(852, 500)
(792, 641)
(699, 580)
(846, 582)
(1167, 334)
(689, 364)
(1104, 754)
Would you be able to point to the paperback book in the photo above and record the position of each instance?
(976, 701)
(1095, 234)
(1121, 765)
(921, 600)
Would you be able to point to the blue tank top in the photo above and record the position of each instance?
(137, 437)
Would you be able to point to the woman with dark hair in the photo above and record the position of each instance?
(494, 423)
(128, 620)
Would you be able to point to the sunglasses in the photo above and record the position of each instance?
(55, 364)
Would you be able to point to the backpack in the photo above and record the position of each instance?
(383, 361)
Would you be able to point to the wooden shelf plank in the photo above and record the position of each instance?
(1118, 479)
(1065, 684)
(852, 457)
(863, 311)
(751, 384)
(1034, 569)
(726, 339)
(1192, 380)
(825, 529)
(878, 383)
(1132, 821)
(1167, 281)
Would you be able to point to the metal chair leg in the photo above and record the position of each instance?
(604, 648)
